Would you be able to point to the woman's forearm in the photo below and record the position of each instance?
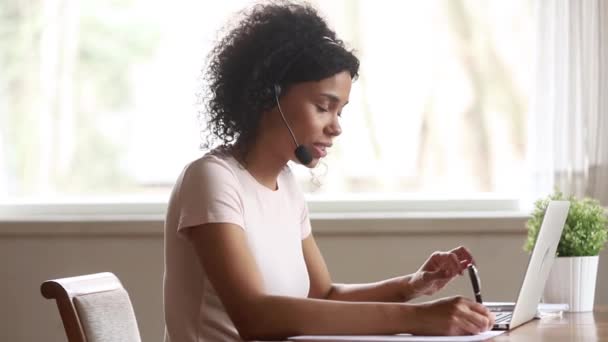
(390, 290)
(277, 317)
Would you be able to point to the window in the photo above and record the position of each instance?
(98, 97)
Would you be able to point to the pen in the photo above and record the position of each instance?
(476, 283)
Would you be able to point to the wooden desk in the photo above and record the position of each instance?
(570, 327)
(575, 327)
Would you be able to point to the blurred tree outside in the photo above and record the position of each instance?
(441, 100)
(65, 80)
(440, 104)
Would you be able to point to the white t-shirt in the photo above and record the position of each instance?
(216, 188)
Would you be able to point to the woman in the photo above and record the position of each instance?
(240, 259)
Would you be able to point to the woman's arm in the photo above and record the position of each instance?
(321, 286)
(433, 275)
(230, 266)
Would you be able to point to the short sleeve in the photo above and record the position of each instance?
(209, 193)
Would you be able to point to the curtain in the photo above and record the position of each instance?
(568, 131)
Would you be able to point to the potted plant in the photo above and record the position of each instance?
(574, 272)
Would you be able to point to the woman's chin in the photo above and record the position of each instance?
(313, 163)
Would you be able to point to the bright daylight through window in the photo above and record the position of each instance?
(98, 98)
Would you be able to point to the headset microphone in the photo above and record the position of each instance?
(301, 151)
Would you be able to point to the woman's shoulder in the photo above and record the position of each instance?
(213, 164)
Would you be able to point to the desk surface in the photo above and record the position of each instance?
(570, 327)
(587, 326)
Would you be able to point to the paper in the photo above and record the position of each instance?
(401, 337)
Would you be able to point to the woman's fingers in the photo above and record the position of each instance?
(464, 258)
(448, 263)
(474, 320)
(481, 322)
(467, 327)
(468, 317)
(485, 312)
(463, 254)
(453, 264)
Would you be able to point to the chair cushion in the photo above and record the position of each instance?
(107, 316)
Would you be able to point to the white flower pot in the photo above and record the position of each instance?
(572, 281)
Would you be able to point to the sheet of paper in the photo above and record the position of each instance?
(391, 338)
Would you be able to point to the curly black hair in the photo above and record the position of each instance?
(279, 42)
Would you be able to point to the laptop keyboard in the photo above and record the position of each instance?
(503, 317)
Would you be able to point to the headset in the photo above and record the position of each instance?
(302, 152)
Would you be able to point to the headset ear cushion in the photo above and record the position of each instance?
(277, 90)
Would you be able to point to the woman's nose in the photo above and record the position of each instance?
(334, 128)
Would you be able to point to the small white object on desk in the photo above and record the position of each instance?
(547, 307)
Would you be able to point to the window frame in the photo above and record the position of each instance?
(363, 207)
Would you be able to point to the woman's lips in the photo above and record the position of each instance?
(319, 150)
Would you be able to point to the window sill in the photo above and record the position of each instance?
(363, 223)
(362, 215)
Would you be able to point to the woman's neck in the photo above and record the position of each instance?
(262, 162)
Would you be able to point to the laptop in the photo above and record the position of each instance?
(508, 316)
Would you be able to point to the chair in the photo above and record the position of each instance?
(93, 308)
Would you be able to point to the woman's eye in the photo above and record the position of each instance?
(322, 109)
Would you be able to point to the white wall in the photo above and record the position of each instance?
(355, 250)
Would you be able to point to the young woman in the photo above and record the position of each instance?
(241, 261)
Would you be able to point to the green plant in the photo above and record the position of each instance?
(586, 229)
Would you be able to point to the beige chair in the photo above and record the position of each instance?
(93, 308)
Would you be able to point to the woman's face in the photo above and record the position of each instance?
(313, 110)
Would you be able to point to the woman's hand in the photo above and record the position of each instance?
(453, 316)
(437, 271)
